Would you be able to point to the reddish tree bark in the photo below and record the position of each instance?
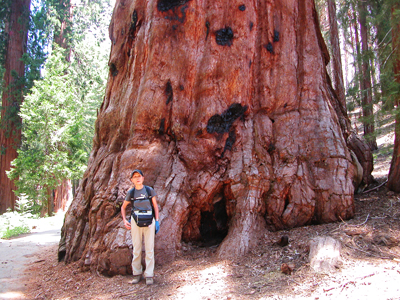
(394, 173)
(10, 131)
(228, 110)
(62, 195)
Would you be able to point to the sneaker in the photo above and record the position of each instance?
(136, 279)
(149, 280)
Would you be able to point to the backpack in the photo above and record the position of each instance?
(142, 209)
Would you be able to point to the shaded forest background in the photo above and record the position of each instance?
(49, 106)
(54, 68)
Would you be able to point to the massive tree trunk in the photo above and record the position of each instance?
(394, 173)
(228, 110)
(10, 129)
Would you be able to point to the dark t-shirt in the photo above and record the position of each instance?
(140, 193)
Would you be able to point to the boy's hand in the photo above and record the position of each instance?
(157, 226)
(127, 224)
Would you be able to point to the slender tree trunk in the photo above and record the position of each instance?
(394, 173)
(336, 60)
(346, 54)
(383, 49)
(61, 34)
(10, 129)
(75, 185)
(228, 110)
(366, 90)
(50, 202)
(363, 155)
(354, 53)
(63, 191)
(357, 57)
(62, 195)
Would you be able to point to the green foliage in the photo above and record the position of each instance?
(39, 40)
(47, 113)
(15, 231)
(57, 130)
(11, 120)
(27, 208)
(13, 224)
(33, 60)
(380, 56)
(59, 112)
(4, 15)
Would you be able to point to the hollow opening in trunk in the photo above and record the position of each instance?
(214, 224)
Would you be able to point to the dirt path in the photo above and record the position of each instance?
(18, 253)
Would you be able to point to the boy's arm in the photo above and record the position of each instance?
(155, 206)
(123, 214)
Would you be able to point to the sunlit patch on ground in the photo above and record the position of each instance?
(356, 280)
(12, 295)
(204, 283)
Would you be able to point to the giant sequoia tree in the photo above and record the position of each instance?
(16, 29)
(227, 108)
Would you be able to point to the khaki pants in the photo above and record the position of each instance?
(137, 234)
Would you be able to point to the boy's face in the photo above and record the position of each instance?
(137, 179)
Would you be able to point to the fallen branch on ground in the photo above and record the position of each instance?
(356, 224)
(366, 252)
(342, 286)
(375, 188)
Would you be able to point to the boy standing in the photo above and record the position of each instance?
(141, 191)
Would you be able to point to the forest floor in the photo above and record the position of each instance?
(369, 267)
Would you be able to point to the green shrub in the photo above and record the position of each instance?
(13, 224)
(9, 233)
